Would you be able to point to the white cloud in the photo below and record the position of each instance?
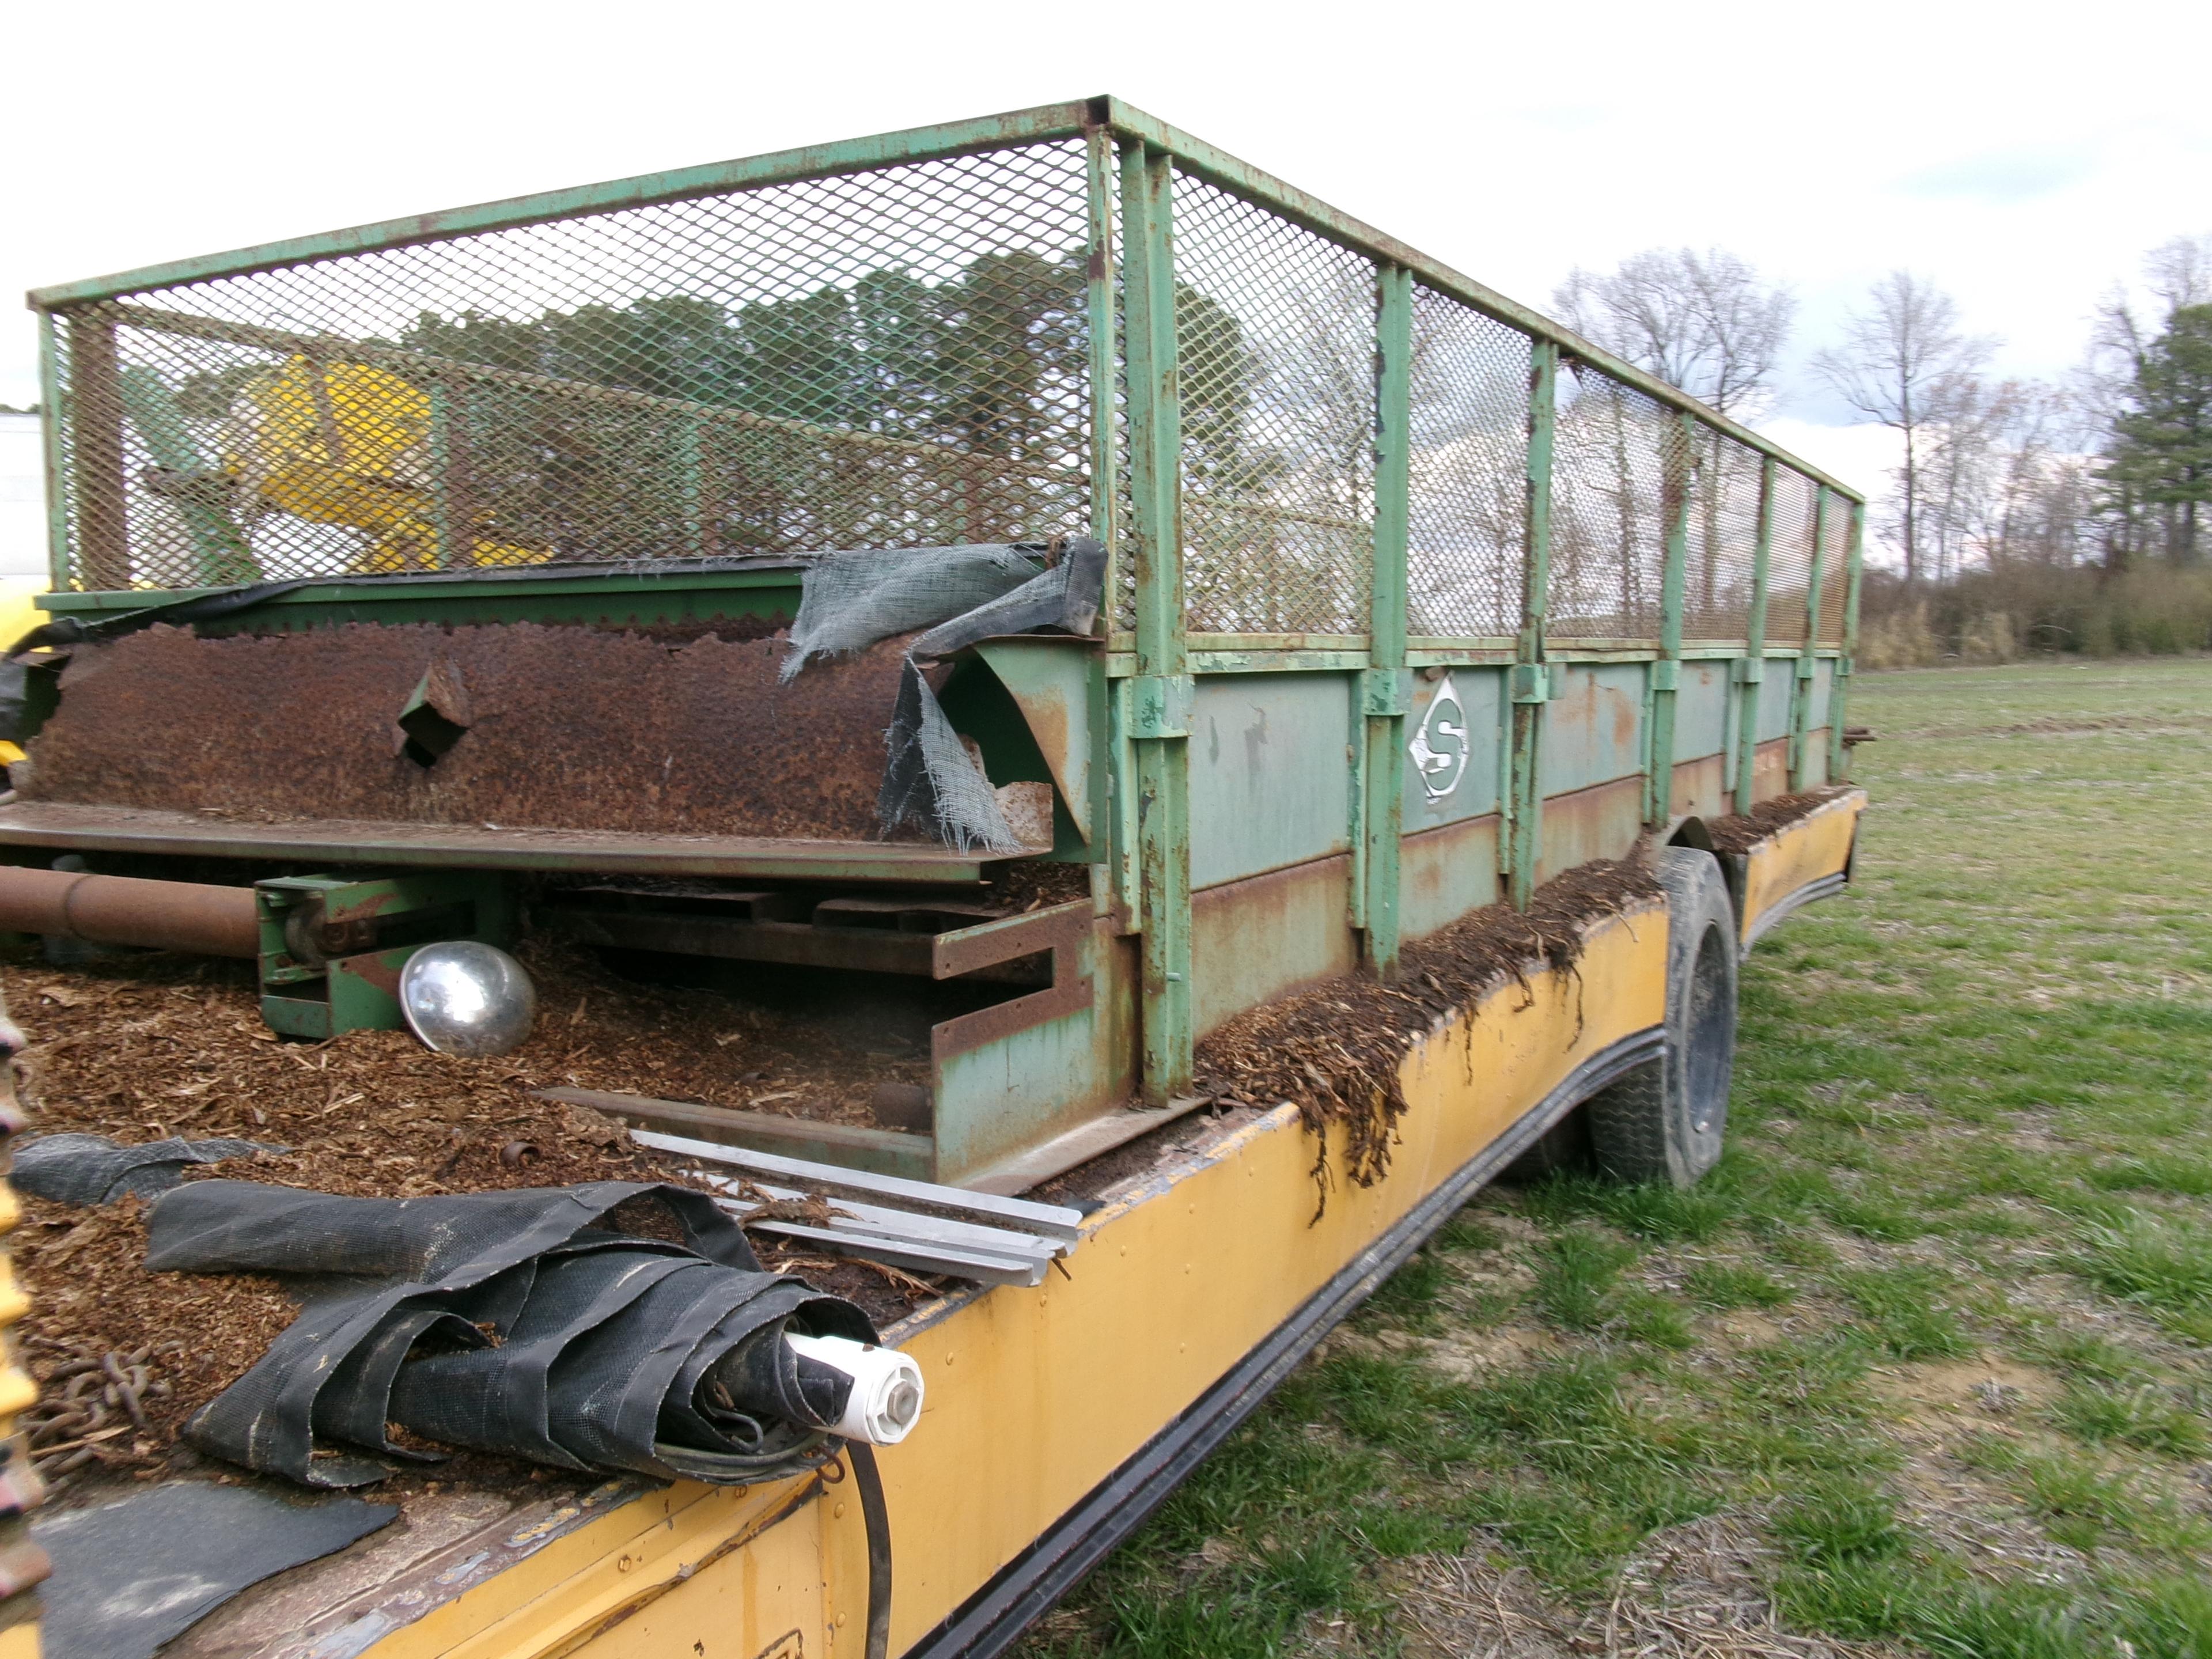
(1863, 456)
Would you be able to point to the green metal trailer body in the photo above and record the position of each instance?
(1414, 600)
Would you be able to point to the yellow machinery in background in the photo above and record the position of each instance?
(346, 444)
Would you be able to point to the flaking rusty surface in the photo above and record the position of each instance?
(570, 728)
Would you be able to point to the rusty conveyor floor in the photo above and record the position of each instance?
(406, 846)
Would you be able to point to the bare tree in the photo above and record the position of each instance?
(1905, 362)
(1705, 322)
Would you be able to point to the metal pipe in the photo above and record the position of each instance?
(162, 915)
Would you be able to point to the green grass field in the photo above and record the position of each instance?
(1924, 1367)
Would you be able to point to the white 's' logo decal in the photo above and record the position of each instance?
(1439, 743)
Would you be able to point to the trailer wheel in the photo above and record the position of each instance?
(1562, 1149)
(1664, 1121)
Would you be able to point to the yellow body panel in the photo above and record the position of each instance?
(1038, 1396)
(1800, 853)
(21, 1641)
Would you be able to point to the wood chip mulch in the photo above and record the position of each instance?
(1334, 1051)
(1740, 832)
(140, 1047)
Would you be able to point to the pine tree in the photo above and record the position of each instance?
(2162, 451)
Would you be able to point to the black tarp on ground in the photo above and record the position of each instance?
(129, 1576)
(536, 1322)
(80, 1169)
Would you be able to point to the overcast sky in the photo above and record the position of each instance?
(2024, 156)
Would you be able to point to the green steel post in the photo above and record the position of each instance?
(1384, 699)
(1838, 695)
(1666, 672)
(1161, 695)
(58, 564)
(1751, 671)
(1801, 694)
(1530, 680)
(1098, 306)
(1122, 894)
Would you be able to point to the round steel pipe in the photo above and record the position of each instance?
(161, 916)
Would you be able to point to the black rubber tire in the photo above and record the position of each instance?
(1665, 1121)
(1562, 1149)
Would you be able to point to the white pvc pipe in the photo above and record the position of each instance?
(886, 1399)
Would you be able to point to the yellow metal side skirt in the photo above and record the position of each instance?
(1036, 1396)
(1798, 855)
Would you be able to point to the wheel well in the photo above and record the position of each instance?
(1691, 832)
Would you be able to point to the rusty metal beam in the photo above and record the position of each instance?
(65, 824)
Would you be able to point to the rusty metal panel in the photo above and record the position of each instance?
(1701, 786)
(1774, 694)
(1593, 727)
(1443, 873)
(1061, 689)
(995, 1094)
(1701, 701)
(1258, 938)
(1816, 758)
(1602, 821)
(1451, 778)
(572, 728)
(1268, 778)
(1770, 770)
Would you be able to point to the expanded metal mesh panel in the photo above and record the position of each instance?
(888, 359)
(1276, 338)
(1468, 513)
(1723, 545)
(1835, 572)
(1790, 561)
(1619, 463)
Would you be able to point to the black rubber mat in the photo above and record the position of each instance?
(539, 1323)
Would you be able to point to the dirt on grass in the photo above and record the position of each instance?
(1695, 1591)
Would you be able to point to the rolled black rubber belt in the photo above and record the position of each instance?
(878, 1521)
(526, 1322)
